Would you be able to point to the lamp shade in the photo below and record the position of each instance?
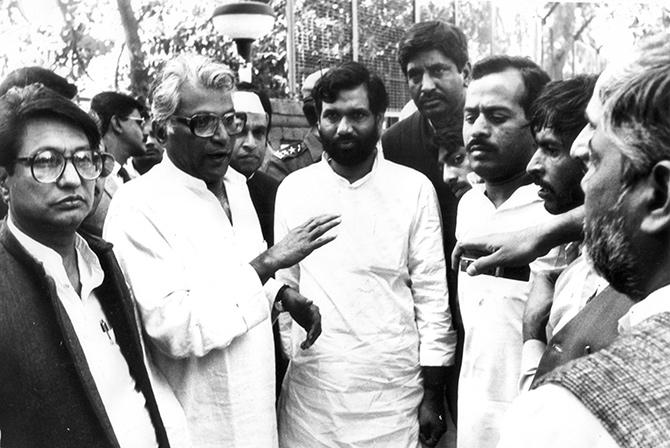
(244, 20)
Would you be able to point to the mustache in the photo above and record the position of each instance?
(478, 142)
(431, 96)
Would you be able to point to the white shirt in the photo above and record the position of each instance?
(202, 304)
(381, 288)
(552, 417)
(124, 405)
(574, 287)
(492, 310)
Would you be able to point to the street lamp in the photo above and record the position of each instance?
(244, 22)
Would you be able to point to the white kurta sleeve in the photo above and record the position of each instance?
(183, 317)
(289, 276)
(427, 271)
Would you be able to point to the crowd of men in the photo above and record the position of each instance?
(498, 260)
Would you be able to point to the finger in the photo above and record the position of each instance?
(317, 221)
(322, 241)
(456, 256)
(483, 264)
(324, 227)
(314, 331)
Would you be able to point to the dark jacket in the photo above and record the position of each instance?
(48, 397)
(409, 142)
(263, 192)
(591, 330)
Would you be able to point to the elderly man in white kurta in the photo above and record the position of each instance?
(381, 285)
(188, 238)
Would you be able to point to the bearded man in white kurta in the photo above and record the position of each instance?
(375, 377)
(188, 239)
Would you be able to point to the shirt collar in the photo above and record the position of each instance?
(91, 274)
(178, 176)
(363, 180)
(655, 303)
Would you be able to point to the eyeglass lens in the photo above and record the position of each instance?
(205, 125)
(47, 166)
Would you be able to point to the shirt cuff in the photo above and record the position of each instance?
(272, 287)
(254, 308)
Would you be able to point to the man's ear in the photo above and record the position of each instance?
(656, 200)
(467, 74)
(160, 132)
(380, 123)
(4, 188)
(115, 125)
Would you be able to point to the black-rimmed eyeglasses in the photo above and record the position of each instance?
(48, 165)
(205, 124)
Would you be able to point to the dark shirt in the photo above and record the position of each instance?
(410, 142)
(263, 191)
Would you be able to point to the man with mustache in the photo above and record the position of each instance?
(620, 396)
(559, 125)
(499, 142)
(433, 56)
(189, 241)
(376, 377)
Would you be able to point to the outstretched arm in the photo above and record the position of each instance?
(521, 247)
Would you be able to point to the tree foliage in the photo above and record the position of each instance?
(76, 35)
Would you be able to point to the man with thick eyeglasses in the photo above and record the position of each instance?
(188, 238)
(72, 370)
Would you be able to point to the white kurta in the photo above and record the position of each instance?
(381, 288)
(492, 310)
(202, 304)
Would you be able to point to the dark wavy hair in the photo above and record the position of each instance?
(108, 104)
(24, 76)
(22, 104)
(561, 107)
(349, 76)
(433, 35)
(534, 78)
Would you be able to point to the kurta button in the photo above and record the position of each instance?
(557, 347)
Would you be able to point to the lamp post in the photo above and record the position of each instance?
(244, 22)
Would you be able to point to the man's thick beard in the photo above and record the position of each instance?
(610, 249)
(354, 155)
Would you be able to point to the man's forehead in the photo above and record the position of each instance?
(504, 87)
(255, 119)
(354, 97)
(51, 132)
(547, 134)
(429, 57)
(594, 108)
(196, 98)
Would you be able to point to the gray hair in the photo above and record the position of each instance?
(186, 68)
(637, 113)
